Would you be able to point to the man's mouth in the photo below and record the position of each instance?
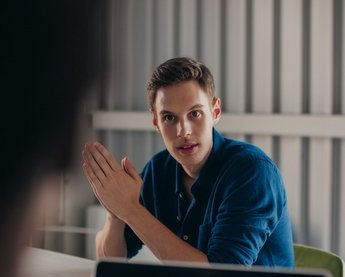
(188, 148)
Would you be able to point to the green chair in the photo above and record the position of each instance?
(311, 257)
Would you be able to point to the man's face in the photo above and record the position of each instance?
(184, 116)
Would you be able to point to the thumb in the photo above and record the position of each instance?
(130, 169)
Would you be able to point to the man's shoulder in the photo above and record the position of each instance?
(234, 149)
(244, 163)
(238, 157)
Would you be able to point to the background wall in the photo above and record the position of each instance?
(269, 57)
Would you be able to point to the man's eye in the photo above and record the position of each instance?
(168, 117)
(195, 114)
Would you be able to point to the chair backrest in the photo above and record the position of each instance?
(311, 257)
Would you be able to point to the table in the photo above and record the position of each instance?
(46, 263)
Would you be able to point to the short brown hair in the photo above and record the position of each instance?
(177, 70)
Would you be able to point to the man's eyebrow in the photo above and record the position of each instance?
(163, 112)
(197, 106)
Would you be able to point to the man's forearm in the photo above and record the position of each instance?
(163, 243)
(110, 241)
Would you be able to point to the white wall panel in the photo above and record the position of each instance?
(113, 55)
(321, 98)
(129, 27)
(256, 124)
(188, 28)
(164, 47)
(164, 34)
(142, 68)
(342, 159)
(119, 66)
(210, 37)
(291, 95)
(235, 62)
(262, 82)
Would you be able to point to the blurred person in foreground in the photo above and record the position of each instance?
(49, 59)
(204, 198)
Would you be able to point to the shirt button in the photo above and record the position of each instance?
(185, 237)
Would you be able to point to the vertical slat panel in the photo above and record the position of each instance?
(188, 28)
(305, 103)
(210, 38)
(120, 15)
(164, 30)
(235, 63)
(321, 103)
(342, 196)
(112, 55)
(154, 10)
(291, 95)
(336, 109)
(164, 37)
(142, 53)
(142, 64)
(149, 140)
(123, 140)
(117, 72)
(262, 74)
(129, 53)
(342, 159)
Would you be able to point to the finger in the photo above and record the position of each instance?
(94, 187)
(130, 169)
(93, 165)
(92, 178)
(123, 165)
(86, 173)
(100, 159)
(85, 154)
(109, 158)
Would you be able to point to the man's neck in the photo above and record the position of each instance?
(187, 182)
(191, 173)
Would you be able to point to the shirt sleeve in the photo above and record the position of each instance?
(134, 244)
(251, 201)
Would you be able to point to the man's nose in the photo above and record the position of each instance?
(184, 129)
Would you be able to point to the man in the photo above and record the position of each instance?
(203, 199)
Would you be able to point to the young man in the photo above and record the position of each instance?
(203, 199)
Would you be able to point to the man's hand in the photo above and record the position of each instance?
(116, 187)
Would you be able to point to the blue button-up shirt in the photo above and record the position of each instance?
(239, 212)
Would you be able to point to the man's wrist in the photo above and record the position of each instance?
(134, 211)
(114, 220)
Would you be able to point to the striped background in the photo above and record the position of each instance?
(269, 57)
(279, 70)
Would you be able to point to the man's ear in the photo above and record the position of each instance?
(155, 121)
(217, 111)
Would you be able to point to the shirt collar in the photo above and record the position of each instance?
(203, 183)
